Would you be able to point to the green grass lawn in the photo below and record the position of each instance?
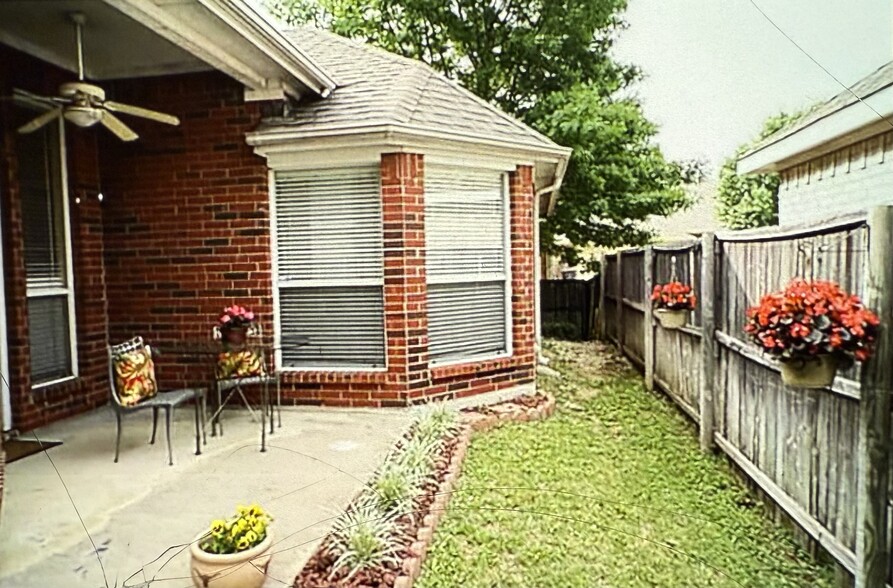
(611, 492)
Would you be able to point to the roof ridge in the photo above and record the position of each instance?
(432, 73)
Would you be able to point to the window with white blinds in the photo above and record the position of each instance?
(467, 264)
(47, 254)
(330, 268)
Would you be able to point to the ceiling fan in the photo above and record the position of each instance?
(84, 104)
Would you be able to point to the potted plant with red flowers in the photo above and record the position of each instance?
(672, 302)
(234, 323)
(812, 328)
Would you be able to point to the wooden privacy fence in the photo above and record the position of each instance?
(822, 456)
(568, 308)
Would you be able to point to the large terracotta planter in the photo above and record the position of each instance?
(246, 569)
(817, 372)
(671, 319)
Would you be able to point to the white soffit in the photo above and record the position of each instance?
(137, 38)
(850, 124)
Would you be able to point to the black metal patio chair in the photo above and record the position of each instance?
(167, 400)
(230, 385)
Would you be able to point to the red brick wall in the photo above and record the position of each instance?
(33, 408)
(186, 216)
(184, 231)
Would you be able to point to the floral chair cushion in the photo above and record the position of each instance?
(135, 376)
(243, 363)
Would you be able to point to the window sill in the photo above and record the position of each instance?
(53, 383)
(339, 370)
(469, 361)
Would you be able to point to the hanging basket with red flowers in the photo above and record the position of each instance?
(672, 302)
(812, 328)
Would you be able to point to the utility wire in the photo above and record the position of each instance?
(815, 61)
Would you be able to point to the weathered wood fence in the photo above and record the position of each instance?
(568, 308)
(822, 456)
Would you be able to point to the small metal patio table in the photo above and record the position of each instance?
(204, 354)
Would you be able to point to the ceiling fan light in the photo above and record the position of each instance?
(83, 116)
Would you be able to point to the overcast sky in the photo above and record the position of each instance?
(715, 69)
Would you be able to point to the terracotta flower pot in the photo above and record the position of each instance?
(245, 569)
(234, 335)
(671, 319)
(817, 372)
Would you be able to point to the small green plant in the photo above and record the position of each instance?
(417, 455)
(239, 533)
(436, 420)
(363, 538)
(395, 489)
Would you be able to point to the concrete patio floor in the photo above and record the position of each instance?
(138, 508)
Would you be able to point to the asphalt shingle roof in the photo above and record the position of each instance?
(375, 87)
(874, 82)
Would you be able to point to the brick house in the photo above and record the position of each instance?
(345, 194)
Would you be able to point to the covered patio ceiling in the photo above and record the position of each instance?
(138, 38)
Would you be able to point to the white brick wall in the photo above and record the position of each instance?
(850, 179)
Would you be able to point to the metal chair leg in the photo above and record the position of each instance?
(167, 422)
(117, 436)
(204, 416)
(198, 425)
(247, 405)
(269, 405)
(154, 424)
(263, 421)
(279, 401)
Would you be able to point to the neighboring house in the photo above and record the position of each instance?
(838, 158)
(692, 222)
(345, 194)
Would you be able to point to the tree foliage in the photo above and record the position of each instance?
(745, 202)
(546, 62)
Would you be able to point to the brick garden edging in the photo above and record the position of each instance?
(477, 420)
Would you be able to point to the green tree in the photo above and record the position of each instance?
(745, 202)
(547, 62)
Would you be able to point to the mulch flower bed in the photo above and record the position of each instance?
(417, 532)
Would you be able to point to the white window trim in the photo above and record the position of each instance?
(68, 289)
(489, 278)
(277, 284)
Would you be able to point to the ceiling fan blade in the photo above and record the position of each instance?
(114, 124)
(28, 97)
(40, 121)
(142, 112)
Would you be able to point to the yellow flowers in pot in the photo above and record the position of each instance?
(239, 533)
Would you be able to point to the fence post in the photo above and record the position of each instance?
(648, 268)
(708, 342)
(602, 314)
(618, 289)
(872, 551)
